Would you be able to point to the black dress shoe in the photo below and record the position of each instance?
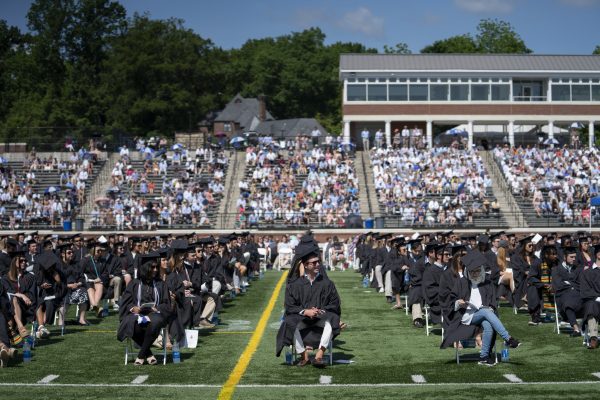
(86, 323)
(319, 363)
(576, 334)
(418, 323)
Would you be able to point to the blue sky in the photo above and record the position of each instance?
(547, 26)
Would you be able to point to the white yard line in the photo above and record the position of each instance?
(340, 385)
(48, 379)
(140, 379)
(325, 380)
(418, 378)
(513, 378)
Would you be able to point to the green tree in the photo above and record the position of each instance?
(399, 48)
(455, 44)
(596, 50)
(496, 36)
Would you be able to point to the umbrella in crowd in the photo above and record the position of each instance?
(220, 134)
(102, 201)
(550, 141)
(456, 132)
(177, 146)
(577, 125)
(237, 139)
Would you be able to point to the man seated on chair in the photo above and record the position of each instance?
(431, 281)
(590, 294)
(312, 308)
(565, 281)
(475, 306)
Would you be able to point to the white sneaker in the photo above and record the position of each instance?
(381, 290)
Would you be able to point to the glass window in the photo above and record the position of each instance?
(555, 80)
(351, 80)
(495, 79)
(398, 92)
(595, 92)
(581, 92)
(595, 80)
(438, 92)
(377, 92)
(480, 92)
(418, 92)
(454, 80)
(585, 80)
(392, 80)
(500, 92)
(459, 92)
(561, 92)
(357, 92)
(361, 79)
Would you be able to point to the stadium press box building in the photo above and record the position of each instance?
(515, 92)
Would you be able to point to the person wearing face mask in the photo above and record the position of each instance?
(565, 281)
(474, 307)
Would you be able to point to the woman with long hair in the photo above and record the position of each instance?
(21, 289)
(75, 281)
(506, 272)
(521, 262)
(146, 307)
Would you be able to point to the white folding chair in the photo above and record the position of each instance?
(470, 343)
(262, 252)
(131, 346)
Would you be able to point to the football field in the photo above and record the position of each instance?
(378, 356)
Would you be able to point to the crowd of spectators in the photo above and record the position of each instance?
(44, 190)
(275, 191)
(163, 188)
(559, 182)
(443, 185)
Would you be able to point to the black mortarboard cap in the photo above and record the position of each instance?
(30, 241)
(569, 250)
(12, 242)
(495, 236)
(64, 246)
(306, 249)
(16, 253)
(47, 260)
(179, 245)
(223, 241)
(526, 239)
(457, 247)
(163, 252)
(431, 246)
(473, 260)
(483, 239)
(151, 256)
(596, 250)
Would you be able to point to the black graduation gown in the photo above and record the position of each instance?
(520, 269)
(535, 286)
(93, 269)
(447, 282)
(590, 290)
(431, 285)
(393, 263)
(300, 294)
(4, 316)
(134, 261)
(455, 329)
(415, 291)
(130, 299)
(187, 308)
(566, 287)
(5, 261)
(72, 273)
(25, 284)
(50, 298)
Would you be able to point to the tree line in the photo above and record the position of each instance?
(84, 68)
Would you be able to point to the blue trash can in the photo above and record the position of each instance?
(67, 226)
(369, 223)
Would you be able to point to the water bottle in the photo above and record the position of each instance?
(504, 355)
(288, 356)
(406, 278)
(365, 282)
(232, 294)
(27, 350)
(215, 318)
(176, 353)
(105, 309)
(261, 274)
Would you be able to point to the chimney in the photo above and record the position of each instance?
(262, 108)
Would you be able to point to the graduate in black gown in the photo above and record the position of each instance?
(75, 282)
(448, 279)
(539, 285)
(590, 294)
(565, 281)
(312, 307)
(51, 290)
(415, 289)
(21, 290)
(521, 262)
(474, 306)
(431, 281)
(145, 308)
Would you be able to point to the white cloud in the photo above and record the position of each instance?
(581, 3)
(363, 21)
(485, 6)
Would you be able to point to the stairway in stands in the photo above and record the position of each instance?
(364, 172)
(508, 205)
(227, 207)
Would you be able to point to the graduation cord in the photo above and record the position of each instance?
(95, 269)
(156, 294)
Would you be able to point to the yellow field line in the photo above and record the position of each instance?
(244, 360)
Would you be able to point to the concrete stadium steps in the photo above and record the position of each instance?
(546, 220)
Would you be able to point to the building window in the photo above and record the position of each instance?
(356, 92)
(377, 93)
(227, 127)
(561, 92)
(438, 92)
(580, 92)
(418, 92)
(459, 92)
(398, 92)
(480, 92)
(500, 92)
(595, 92)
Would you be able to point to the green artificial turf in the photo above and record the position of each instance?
(380, 342)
